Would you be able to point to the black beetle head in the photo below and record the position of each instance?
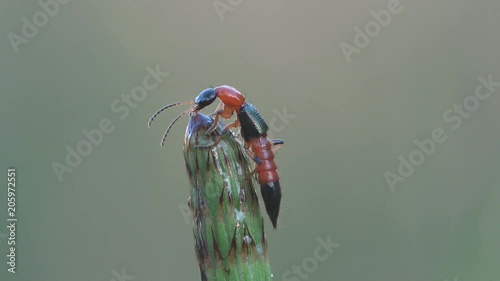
(204, 99)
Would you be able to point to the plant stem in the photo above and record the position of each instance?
(230, 242)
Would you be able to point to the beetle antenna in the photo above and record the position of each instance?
(171, 124)
(165, 107)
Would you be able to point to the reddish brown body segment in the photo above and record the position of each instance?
(262, 149)
(230, 97)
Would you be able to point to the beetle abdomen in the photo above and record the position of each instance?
(271, 193)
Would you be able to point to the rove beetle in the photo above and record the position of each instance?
(254, 132)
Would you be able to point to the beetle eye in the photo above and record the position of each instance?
(205, 98)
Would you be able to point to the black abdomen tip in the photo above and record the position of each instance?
(271, 193)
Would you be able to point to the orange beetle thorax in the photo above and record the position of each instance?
(230, 97)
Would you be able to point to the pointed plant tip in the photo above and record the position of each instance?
(229, 226)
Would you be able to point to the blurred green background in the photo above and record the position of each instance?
(122, 206)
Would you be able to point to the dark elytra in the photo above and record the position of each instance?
(252, 123)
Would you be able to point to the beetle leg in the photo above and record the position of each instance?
(250, 174)
(217, 109)
(278, 143)
(228, 127)
(216, 114)
(256, 159)
(252, 156)
(214, 125)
